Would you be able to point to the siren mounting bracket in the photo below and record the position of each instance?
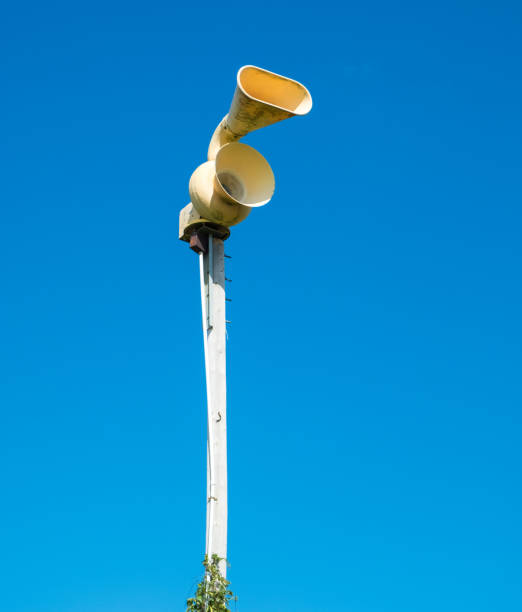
(199, 235)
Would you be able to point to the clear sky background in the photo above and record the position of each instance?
(376, 338)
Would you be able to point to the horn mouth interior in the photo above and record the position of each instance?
(244, 174)
(274, 89)
(232, 184)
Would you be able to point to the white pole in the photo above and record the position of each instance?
(212, 276)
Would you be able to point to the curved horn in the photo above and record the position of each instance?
(261, 98)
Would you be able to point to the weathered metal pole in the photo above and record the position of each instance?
(212, 276)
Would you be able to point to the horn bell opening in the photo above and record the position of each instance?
(274, 89)
(211, 201)
(244, 175)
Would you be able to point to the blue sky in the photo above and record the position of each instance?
(375, 344)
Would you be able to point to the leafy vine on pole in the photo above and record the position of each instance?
(212, 593)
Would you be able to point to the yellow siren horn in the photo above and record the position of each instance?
(261, 98)
(224, 190)
(237, 178)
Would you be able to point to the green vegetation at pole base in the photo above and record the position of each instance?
(212, 594)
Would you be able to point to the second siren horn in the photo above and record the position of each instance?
(224, 190)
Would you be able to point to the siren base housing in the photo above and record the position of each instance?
(190, 222)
